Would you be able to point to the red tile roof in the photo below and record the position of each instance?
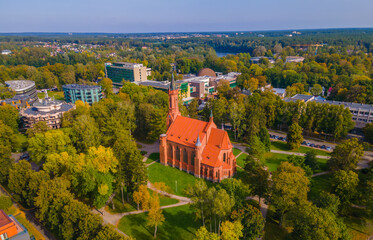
(219, 138)
(4, 219)
(185, 131)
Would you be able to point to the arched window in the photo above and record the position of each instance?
(170, 151)
(177, 153)
(185, 156)
(192, 158)
(224, 156)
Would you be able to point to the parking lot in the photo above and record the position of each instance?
(308, 143)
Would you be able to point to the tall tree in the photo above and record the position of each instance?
(294, 136)
(9, 115)
(155, 216)
(231, 230)
(198, 195)
(290, 187)
(345, 184)
(346, 155)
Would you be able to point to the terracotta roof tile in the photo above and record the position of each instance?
(185, 131)
(4, 219)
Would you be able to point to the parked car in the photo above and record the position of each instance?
(312, 145)
(329, 148)
(304, 143)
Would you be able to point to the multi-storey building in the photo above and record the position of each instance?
(86, 93)
(25, 93)
(125, 71)
(47, 110)
(195, 146)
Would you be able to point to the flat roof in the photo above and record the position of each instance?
(20, 85)
(157, 84)
(347, 104)
(34, 111)
(302, 97)
(80, 86)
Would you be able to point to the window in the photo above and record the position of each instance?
(192, 158)
(4, 236)
(185, 156)
(170, 151)
(178, 153)
(224, 157)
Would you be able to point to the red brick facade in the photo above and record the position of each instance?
(195, 146)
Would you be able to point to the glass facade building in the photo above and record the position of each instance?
(86, 93)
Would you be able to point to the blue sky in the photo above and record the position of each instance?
(123, 16)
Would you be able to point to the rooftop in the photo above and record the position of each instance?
(348, 104)
(80, 86)
(302, 97)
(4, 218)
(20, 85)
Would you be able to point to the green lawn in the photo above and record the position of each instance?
(169, 175)
(241, 160)
(179, 224)
(236, 151)
(318, 184)
(56, 95)
(273, 160)
(282, 146)
(128, 207)
(154, 157)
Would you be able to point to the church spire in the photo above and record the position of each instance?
(172, 85)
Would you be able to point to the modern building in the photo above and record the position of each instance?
(206, 72)
(11, 229)
(230, 77)
(25, 91)
(181, 85)
(125, 71)
(195, 146)
(48, 110)
(86, 93)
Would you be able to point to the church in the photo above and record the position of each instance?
(195, 146)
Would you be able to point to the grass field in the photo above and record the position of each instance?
(273, 160)
(241, 160)
(154, 157)
(236, 151)
(57, 95)
(128, 207)
(318, 184)
(179, 224)
(282, 146)
(171, 177)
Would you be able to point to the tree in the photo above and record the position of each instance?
(19, 177)
(203, 234)
(316, 90)
(39, 127)
(231, 231)
(193, 108)
(9, 116)
(345, 184)
(53, 141)
(257, 177)
(313, 223)
(5, 202)
(328, 201)
(7, 137)
(346, 155)
(5, 162)
(142, 196)
(264, 138)
(290, 187)
(236, 189)
(368, 132)
(198, 195)
(155, 216)
(222, 206)
(107, 86)
(256, 148)
(294, 136)
(236, 114)
(252, 221)
(298, 161)
(85, 133)
(311, 160)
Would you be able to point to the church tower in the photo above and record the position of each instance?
(173, 109)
